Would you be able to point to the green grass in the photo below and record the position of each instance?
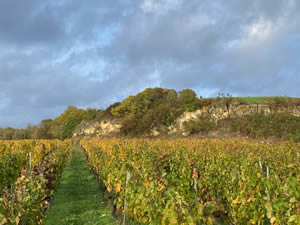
(254, 99)
(250, 99)
(261, 99)
(78, 199)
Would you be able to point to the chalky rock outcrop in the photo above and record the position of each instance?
(98, 129)
(222, 111)
(215, 111)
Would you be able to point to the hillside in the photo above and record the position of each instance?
(166, 112)
(163, 112)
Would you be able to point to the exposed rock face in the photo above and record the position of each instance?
(213, 111)
(154, 132)
(222, 111)
(97, 129)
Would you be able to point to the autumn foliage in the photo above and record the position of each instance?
(187, 181)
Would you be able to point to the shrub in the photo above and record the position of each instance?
(203, 126)
(188, 100)
(260, 125)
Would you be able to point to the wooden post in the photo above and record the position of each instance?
(195, 186)
(30, 160)
(268, 173)
(128, 175)
(260, 165)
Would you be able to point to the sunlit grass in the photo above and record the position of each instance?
(78, 199)
(255, 99)
(261, 99)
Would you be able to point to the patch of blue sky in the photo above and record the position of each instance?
(231, 44)
(155, 78)
(207, 92)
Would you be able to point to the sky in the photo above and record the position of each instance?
(94, 53)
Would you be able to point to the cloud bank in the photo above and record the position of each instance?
(59, 53)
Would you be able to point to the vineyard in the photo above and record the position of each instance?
(188, 181)
(179, 181)
(29, 174)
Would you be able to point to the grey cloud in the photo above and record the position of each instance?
(28, 22)
(54, 54)
(187, 54)
(49, 23)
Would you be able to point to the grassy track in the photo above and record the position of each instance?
(78, 200)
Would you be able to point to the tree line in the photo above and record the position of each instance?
(138, 113)
(61, 127)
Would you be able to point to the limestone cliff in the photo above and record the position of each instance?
(98, 129)
(223, 111)
(215, 111)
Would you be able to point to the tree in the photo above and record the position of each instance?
(20, 134)
(188, 100)
(125, 108)
(91, 114)
(63, 126)
(8, 133)
(148, 109)
(32, 131)
(44, 129)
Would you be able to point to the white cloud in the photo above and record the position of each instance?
(260, 31)
(159, 6)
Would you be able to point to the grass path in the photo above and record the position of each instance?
(78, 200)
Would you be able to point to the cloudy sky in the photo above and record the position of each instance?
(93, 53)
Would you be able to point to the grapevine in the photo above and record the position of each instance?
(188, 181)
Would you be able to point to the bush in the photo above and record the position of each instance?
(188, 100)
(203, 126)
(276, 125)
(151, 108)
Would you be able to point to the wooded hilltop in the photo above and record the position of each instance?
(156, 111)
